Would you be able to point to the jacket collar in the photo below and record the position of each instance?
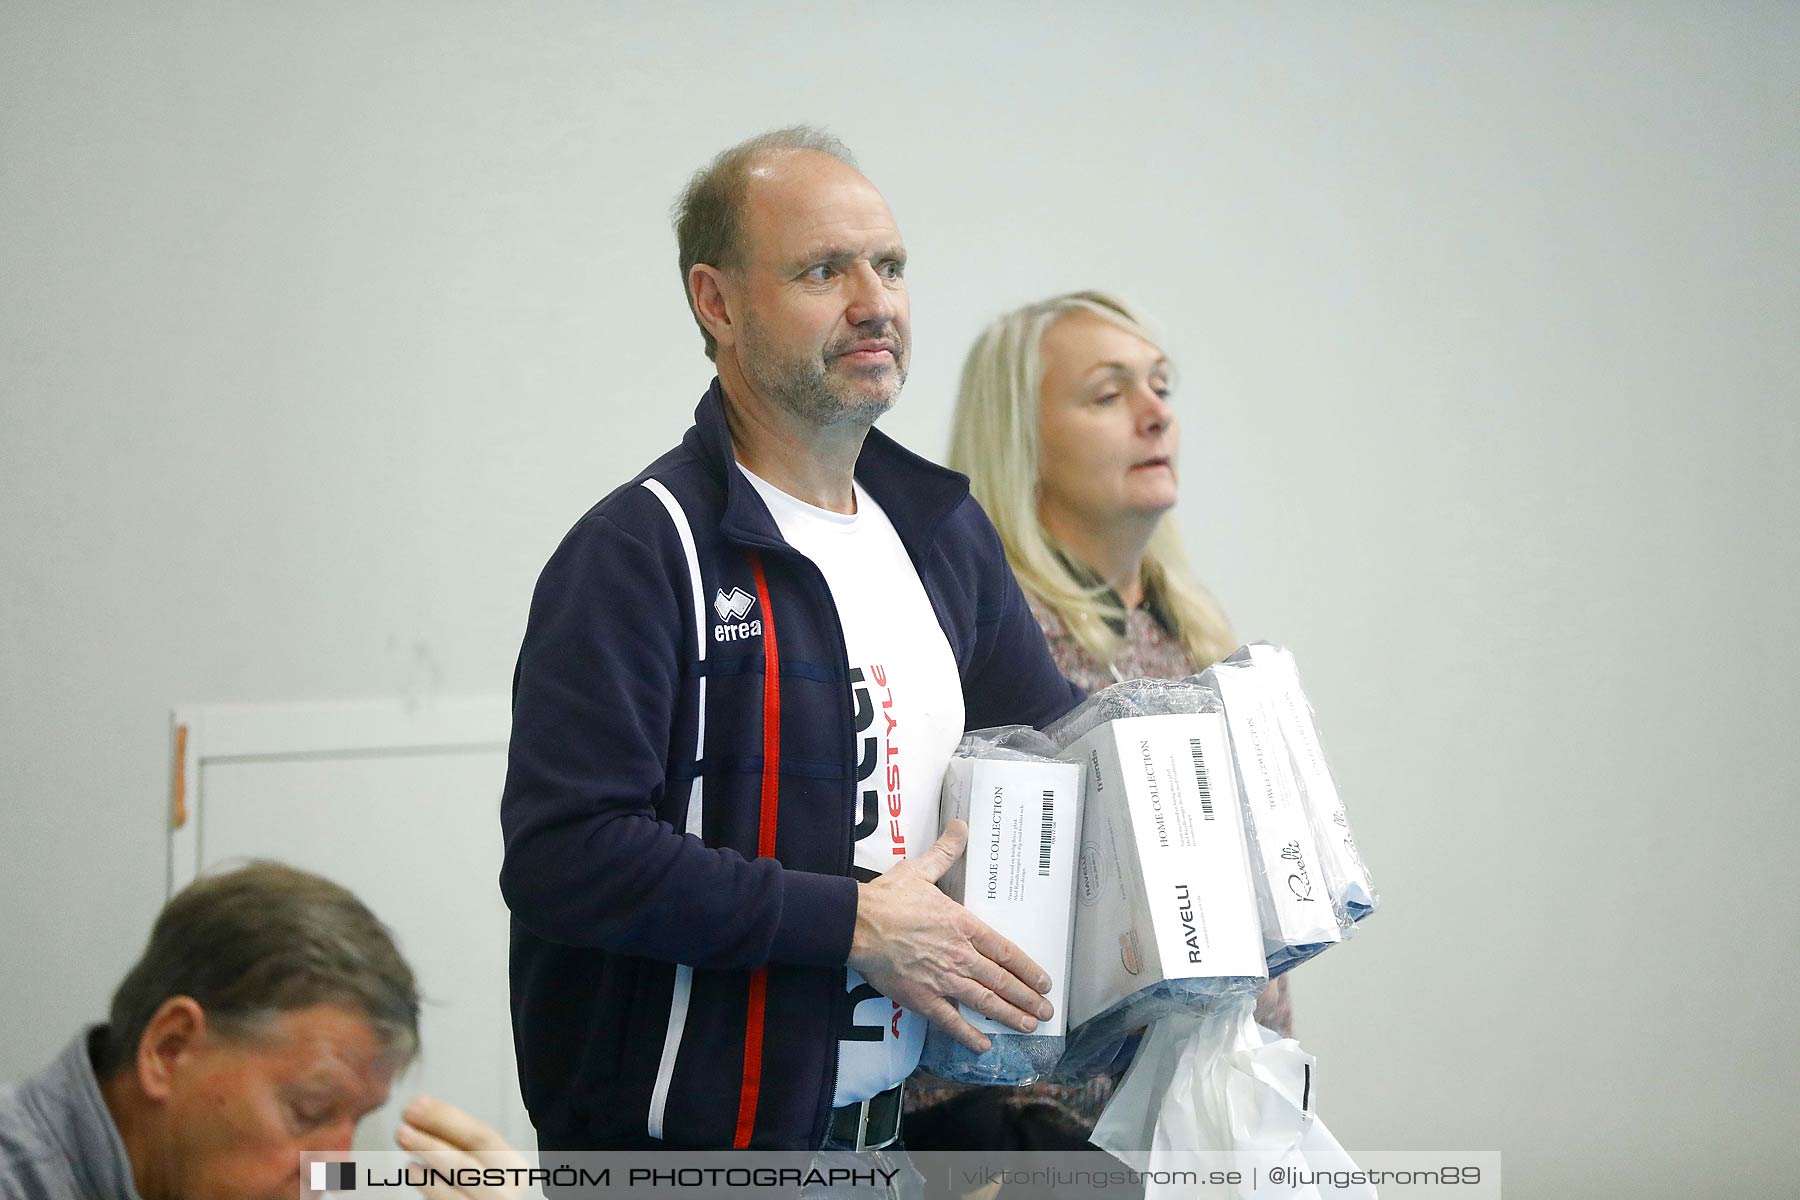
(65, 1098)
(915, 493)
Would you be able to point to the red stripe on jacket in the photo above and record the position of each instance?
(765, 848)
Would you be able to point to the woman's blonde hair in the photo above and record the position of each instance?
(994, 441)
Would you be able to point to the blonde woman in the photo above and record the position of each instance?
(1066, 428)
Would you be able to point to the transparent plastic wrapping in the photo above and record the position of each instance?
(1095, 1044)
(1294, 904)
(1165, 919)
(1205, 1076)
(1219, 1083)
(1023, 807)
(1013, 1059)
(1346, 876)
(1019, 743)
(1131, 698)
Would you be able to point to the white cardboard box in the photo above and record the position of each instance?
(1018, 874)
(1293, 897)
(1163, 884)
(1337, 847)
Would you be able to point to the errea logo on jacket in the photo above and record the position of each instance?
(733, 607)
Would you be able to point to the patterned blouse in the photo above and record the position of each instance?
(1149, 651)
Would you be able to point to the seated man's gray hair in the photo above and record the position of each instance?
(262, 940)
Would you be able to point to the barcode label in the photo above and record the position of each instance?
(1044, 841)
(1200, 778)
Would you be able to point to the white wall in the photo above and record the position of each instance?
(319, 324)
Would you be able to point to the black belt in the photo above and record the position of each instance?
(870, 1125)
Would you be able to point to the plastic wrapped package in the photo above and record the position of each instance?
(1019, 743)
(1013, 1059)
(1023, 807)
(1294, 904)
(1096, 1044)
(1165, 916)
(1131, 698)
(1346, 876)
(1206, 1077)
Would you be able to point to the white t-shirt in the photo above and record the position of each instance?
(906, 695)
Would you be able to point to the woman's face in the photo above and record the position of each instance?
(1106, 433)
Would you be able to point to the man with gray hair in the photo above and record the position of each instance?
(267, 1016)
(743, 675)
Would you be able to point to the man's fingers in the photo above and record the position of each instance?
(443, 1135)
(434, 1151)
(1003, 952)
(943, 1014)
(1011, 989)
(945, 851)
(994, 1007)
(444, 1120)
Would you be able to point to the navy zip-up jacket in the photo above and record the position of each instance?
(680, 795)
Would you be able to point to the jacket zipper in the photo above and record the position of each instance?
(847, 854)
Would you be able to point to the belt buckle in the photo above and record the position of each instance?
(862, 1120)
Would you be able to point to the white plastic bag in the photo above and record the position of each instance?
(1218, 1082)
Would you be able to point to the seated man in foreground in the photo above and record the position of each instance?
(268, 1015)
